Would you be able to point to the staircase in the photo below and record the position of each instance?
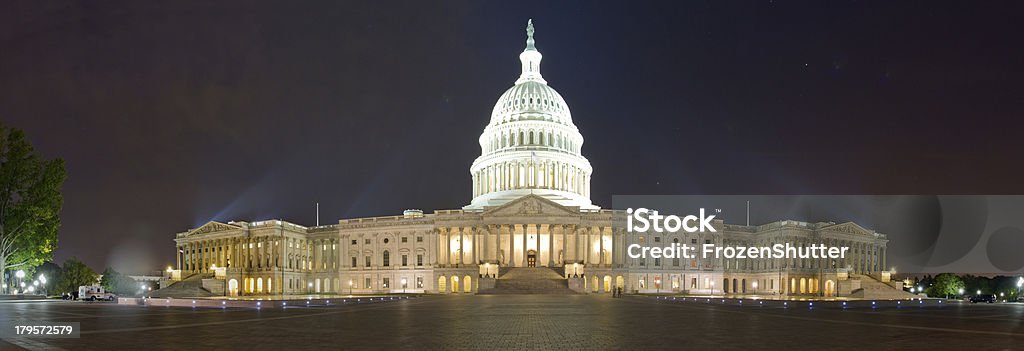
(529, 281)
(192, 286)
(870, 288)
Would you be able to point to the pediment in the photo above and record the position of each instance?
(213, 226)
(848, 228)
(531, 205)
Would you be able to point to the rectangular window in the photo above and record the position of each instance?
(405, 260)
(643, 262)
(367, 286)
(367, 261)
(419, 260)
(367, 241)
(387, 283)
(707, 241)
(419, 282)
(405, 239)
(675, 262)
(657, 239)
(419, 239)
(657, 262)
(353, 241)
(353, 261)
(693, 241)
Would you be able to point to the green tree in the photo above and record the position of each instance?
(75, 274)
(945, 284)
(30, 202)
(115, 282)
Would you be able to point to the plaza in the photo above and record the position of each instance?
(536, 322)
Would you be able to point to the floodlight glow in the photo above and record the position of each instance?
(20, 274)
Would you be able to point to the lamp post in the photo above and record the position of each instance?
(350, 287)
(20, 274)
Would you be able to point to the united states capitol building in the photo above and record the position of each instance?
(530, 227)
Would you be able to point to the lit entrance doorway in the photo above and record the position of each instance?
(531, 258)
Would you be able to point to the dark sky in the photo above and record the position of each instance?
(170, 114)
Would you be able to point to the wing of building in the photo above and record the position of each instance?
(530, 227)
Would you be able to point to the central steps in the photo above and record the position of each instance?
(537, 280)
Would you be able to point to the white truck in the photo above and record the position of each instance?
(94, 293)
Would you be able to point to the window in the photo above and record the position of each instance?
(405, 260)
(367, 241)
(643, 262)
(387, 283)
(367, 260)
(693, 241)
(353, 241)
(353, 261)
(387, 258)
(419, 282)
(707, 241)
(657, 262)
(367, 286)
(675, 240)
(386, 240)
(657, 239)
(675, 262)
(419, 260)
(405, 239)
(419, 239)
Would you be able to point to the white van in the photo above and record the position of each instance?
(93, 293)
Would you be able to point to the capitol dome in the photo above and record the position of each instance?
(531, 145)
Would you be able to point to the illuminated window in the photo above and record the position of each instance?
(368, 286)
(387, 283)
(419, 282)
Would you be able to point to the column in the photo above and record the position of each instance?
(524, 245)
(551, 245)
(565, 253)
(510, 255)
(496, 229)
(536, 241)
(462, 251)
(600, 244)
(586, 250)
(476, 245)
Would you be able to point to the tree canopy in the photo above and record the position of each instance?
(75, 274)
(30, 202)
(115, 282)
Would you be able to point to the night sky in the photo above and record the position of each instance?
(173, 114)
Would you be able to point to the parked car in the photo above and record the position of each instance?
(983, 298)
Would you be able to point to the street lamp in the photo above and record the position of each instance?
(350, 287)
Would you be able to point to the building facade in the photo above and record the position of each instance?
(531, 207)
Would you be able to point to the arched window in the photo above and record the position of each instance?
(531, 138)
(387, 258)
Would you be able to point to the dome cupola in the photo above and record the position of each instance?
(531, 145)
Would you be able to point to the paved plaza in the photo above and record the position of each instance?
(532, 322)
